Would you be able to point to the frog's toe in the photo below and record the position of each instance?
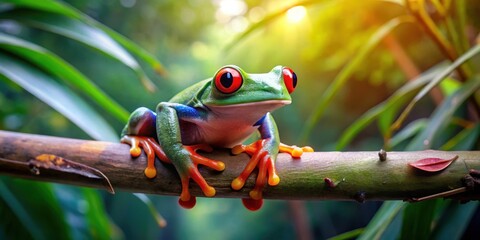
(151, 148)
(188, 204)
(150, 172)
(199, 159)
(135, 150)
(307, 149)
(252, 204)
(238, 183)
(294, 151)
(207, 190)
(261, 159)
(186, 200)
(256, 193)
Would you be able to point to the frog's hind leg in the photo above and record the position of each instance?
(140, 133)
(141, 123)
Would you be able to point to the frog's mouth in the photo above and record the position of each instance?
(278, 103)
(248, 109)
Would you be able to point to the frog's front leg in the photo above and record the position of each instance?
(263, 156)
(184, 158)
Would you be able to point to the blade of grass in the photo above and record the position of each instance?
(56, 66)
(151, 207)
(464, 140)
(82, 32)
(347, 71)
(20, 212)
(87, 215)
(442, 115)
(409, 131)
(461, 17)
(418, 217)
(454, 221)
(57, 96)
(42, 206)
(99, 224)
(457, 63)
(395, 101)
(348, 235)
(381, 220)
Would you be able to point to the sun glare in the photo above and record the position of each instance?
(296, 14)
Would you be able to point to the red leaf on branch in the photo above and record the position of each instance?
(432, 164)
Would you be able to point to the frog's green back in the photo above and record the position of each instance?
(191, 95)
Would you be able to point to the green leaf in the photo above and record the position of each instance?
(395, 101)
(134, 48)
(341, 79)
(161, 222)
(442, 115)
(47, 6)
(41, 205)
(99, 224)
(461, 13)
(87, 216)
(57, 96)
(409, 131)
(454, 220)
(418, 217)
(449, 85)
(457, 63)
(381, 220)
(348, 235)
(464, 140)
(82, 32)
(64, 9)
(56, 66)
(10, 202)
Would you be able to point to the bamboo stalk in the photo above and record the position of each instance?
(319, 175)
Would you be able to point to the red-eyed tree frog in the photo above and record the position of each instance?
(217, 112)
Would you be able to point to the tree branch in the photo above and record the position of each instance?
(320, 175)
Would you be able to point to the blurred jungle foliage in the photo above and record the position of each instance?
(66, 70)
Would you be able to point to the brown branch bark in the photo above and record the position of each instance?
(355, 175)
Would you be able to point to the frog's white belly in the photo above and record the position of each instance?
(224, 133)
(228, 126)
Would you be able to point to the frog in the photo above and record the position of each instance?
(219, 112)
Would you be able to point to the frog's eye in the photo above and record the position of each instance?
(228, 80)
(290, 79)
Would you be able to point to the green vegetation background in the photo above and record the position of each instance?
(345, 69)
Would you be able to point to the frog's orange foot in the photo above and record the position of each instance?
(266, 170)
(186, 199)
(293, 150)
(151, 148)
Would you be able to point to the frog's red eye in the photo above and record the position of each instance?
(228, 80)
(290, 79)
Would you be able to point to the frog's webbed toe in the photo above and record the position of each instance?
(262, 159)
(151, 148)
(293, 150)
(186, 199)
